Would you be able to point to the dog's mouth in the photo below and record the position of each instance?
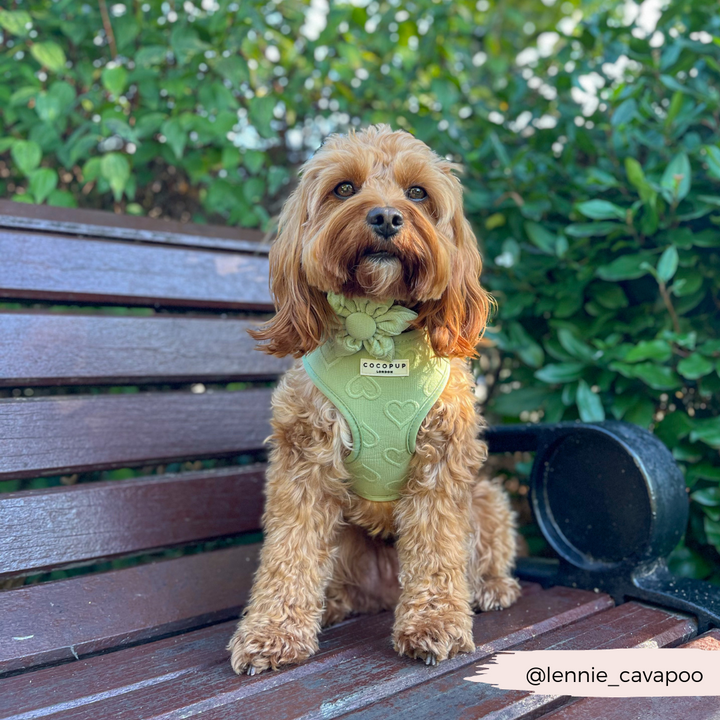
(380, 255)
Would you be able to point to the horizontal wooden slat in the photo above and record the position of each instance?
(654, 708)
(96, 223)
(451, 696)
(73, 433)
(48, 267)
(47, 528)
(191, 676)
(54, 349)
(70, 618)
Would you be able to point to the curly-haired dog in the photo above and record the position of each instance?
(377, 219)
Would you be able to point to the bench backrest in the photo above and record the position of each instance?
(87, 389)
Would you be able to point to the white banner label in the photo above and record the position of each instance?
(395, 368)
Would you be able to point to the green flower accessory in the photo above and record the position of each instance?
(369, 324)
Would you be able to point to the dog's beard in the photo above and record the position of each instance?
(346, 256)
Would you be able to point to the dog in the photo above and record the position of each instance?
(374, 240)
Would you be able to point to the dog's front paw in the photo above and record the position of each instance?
(433, 635)
(258, 646)
(496, 593)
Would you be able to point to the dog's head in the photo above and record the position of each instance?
(377, 214)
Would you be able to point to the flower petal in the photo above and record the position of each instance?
(346, 345)
(396, 320)
(380, 347)
(339, 304)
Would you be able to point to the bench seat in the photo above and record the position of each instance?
(356, 672)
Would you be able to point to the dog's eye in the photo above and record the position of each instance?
(344, 189)
(416, 193)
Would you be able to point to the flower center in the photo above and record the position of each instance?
(360, 326)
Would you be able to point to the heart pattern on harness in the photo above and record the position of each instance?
(363, 386)
(368, 436)
(395, 457)
(368, 474)
(401, 413)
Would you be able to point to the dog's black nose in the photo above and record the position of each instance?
(385, 221)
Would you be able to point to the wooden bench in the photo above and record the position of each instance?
(147, 640)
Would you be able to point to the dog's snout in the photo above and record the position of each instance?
(385, 221)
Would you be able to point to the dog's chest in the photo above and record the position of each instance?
(384, 404)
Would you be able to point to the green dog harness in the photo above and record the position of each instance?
(384, 399)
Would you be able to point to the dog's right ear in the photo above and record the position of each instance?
(302, 314)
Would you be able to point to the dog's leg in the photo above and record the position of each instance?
(303, 512)
(433, 619)
(282, 620)
(493, 550)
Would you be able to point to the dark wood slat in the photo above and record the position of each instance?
(67, 619)
(58, 435)
(54, 349)
(352, 657)
(48, 528)
(96, 223)
(451, 696)
(47, 267)
(69, 687)
(658, 708)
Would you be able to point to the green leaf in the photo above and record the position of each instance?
(16, 22)
(560, 372)
(115, 168)
(27, 155)
(62, 198)
(601, 210)
(519, 400)
(49, 55)
(261, 114)
(233, 69)
(151, 55)
(674, 427)
(541, 237)
(175, 135)
(595, 229)
(677, 176)
(710, 497)
(525, 346)
(707, 431)
(657, 377)
(42, 182)
(659, 350)
(610, 296)
(624, 113)
(254, 160)
(589, 404)
(626, 267)
(636, 176)
(114, 79)
(713, 160)
(48, 107)
(276, 178)
(668, 264)
(575, 347)
(695, 366)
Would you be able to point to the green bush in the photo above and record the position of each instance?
(592, 158)
(603, 246)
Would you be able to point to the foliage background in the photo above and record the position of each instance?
(589, 132)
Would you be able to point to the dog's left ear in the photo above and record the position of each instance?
(457, 320)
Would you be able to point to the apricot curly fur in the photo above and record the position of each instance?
(447, 546)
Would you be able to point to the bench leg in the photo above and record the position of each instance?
(302, 515)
